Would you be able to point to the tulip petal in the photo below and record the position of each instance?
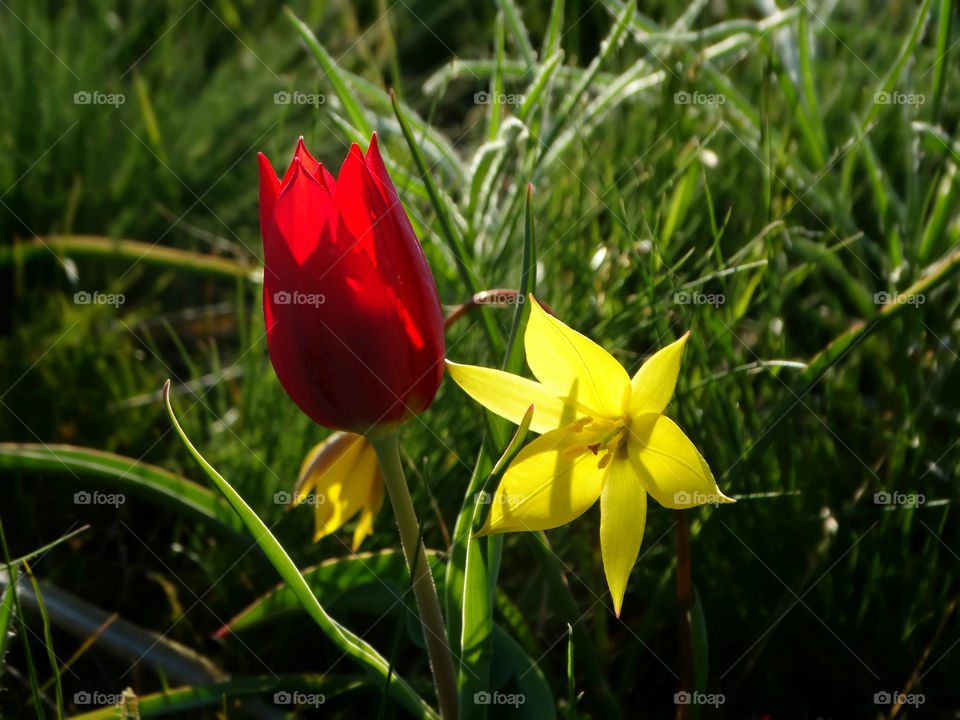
(329, 511)
(346, 488)
(623, 515)
(370, 509)
(302, 214)
(669, 466)
(319, 460)
(543, 487)
(510, 395)
(573, 366)
(654, 383)
(269, 188)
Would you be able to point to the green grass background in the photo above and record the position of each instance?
(797, 199)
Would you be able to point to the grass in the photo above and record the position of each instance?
(778, 201)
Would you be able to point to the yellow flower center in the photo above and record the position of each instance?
(607, 437)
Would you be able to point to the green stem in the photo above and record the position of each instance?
(434, 630)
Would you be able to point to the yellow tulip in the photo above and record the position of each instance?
(604, 436)
(341, 477)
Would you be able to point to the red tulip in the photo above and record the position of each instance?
(354, 325)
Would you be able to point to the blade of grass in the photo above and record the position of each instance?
(179, 700)
(496, 85)
(476, 634)
(518, 31)
(944, 46)
(351, 644)
(332, 71)
(21, 621)
(47, 638)
(91, 246)
(453, 240)
(124, 473)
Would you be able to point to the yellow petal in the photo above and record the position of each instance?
(623, 515)
(510, 395)
(543, 487)
(372, 502)
(574, 367)
(653, 384)
(321, 457)
(669, 465)
(342, 474)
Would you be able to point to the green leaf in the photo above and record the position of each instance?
(518, 31)
(150, 254)
(124, 473)
(333, 72)
(6, 616)
(521, 671)
(351, 644)
(477, 599)
(331, 580)
(178, 700)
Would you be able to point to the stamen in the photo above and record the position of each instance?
(573, 451)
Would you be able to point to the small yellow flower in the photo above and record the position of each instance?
(340, 477)
(604, 436)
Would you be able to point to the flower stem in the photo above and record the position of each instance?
(434, 629)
